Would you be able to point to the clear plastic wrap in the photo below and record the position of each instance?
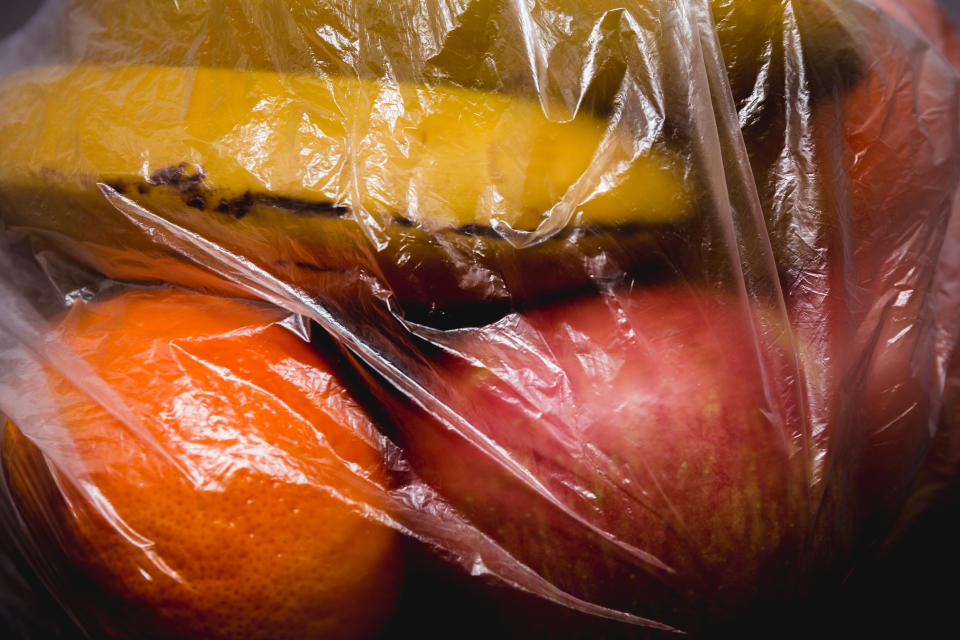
(645, 313)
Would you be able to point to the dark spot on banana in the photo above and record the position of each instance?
(477, 230)
(438, 272)
(323, 208)
(178, 176)
(191, 184)
(309, 266)
(236, 207)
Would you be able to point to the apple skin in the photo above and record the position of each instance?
(646, 416)
(863, 284)
(941, 470)
(926, 17)
(856, 194)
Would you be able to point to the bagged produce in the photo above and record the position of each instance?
(629, 318)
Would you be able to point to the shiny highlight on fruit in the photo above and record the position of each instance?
(242, 507)
(450, 196)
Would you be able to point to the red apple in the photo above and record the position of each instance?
(644, 451)
(926, 19)
(862, 283)
(857, 199)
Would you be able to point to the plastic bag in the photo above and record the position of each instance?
(643, 309)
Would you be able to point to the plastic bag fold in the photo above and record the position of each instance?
(648, 309)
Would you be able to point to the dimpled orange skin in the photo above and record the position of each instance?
(253, 544)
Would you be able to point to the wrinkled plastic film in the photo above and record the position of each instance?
(654, 317)
(414, 508)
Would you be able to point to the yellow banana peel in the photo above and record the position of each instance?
(450, 195)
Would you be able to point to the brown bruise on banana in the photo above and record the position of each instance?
(514, 164)
(75, 132)
(186, 187)
(190, 185)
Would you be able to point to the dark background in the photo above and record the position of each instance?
(953, 8)
(13, 13)
(912, 592)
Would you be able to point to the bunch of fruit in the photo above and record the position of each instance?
(670, 336)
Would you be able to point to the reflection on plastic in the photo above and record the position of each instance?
(649, 309)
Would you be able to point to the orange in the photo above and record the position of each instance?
(233, 509)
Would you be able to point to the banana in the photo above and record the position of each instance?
(471, 43)
(452, 197)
